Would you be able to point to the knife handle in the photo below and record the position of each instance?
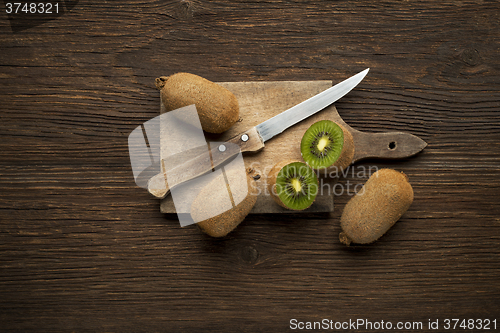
(248, 141)
(160, 185)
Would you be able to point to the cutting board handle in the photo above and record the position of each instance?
(389, 145)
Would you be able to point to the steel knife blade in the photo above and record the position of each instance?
(277, 124)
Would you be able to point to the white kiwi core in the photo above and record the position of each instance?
(296, 185)
(323, 142)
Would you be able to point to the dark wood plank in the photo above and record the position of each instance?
(84, 249)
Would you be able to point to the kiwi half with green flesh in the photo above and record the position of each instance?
(293, 184)
(327, 145)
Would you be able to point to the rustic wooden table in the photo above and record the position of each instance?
(82, 248)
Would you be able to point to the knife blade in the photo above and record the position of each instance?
(251, 140)
(301, 111)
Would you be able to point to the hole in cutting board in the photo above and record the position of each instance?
(392, 145)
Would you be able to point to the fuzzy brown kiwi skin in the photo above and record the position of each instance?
(217, 107)
(223, 224)
(347, 154)
(271, 181)
(386, 196)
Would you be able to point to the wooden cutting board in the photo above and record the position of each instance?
(258, 102)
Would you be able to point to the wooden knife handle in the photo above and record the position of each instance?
(173, 175)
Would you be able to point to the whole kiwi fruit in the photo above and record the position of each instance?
(292, 184)
(385, 197)
(217, 107)
(222, 205)
(327, 145)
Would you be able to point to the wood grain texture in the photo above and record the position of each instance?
(82, 248)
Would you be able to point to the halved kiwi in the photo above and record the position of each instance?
(327, 144)
(293, 184)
